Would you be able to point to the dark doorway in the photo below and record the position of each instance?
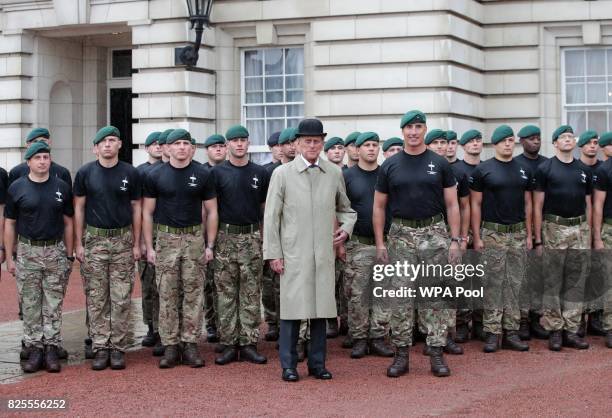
(121, 117)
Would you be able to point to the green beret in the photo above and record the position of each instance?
(451, 135)
(605, 139)
(561, 130)
(469, 135)
(193, 141)
(352, 137)
(37, 148)
(287, 135)
(152, 138)
(366, 136)
(391, 142)
(104, 132)
(332, 142)
(500, 133)
(37, 133)
(586, 137)
(214, 139)
(433, 135)
(236, 131)
(163, 136)
(529, 130)
(414, 116)
(178, 134)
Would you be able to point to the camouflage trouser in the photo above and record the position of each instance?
(504, 256)
(304, 334)
(530, 298)
(108, 271)
(150, 296)
(238, 270)
(367, 315)
(270, 295)
(416, 245)
(341, 297)
(606, 236)
(180, 269)
(41, 276)
(565, 269)
(210, 298)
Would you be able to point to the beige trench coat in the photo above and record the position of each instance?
(301, 207)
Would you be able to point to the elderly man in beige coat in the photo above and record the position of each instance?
(305, 198)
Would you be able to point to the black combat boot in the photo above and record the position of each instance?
(89, 353)
(400, 365)
(332, 328)
(555, 341)
(491, 342)
(35, 360)
(439, 368)
(212, 335)
(573, 340)
(24, 354)
(609, 339)
(191, 356)
(523, 331)
(512, 341)
(478, 332)
(101, 359)
(537, 330)
(462, 333)
(158, 348)
(582, 328)
(62, 354)
(249, 353)
(344, 329)
(451, 347)
(379, 348)
(52, 363)
(347, 342)
(360, 348)
(595, 326)
(272, 334)
(117, 360)
(149, 339)
(219, 348)
(171, 357)
(229, 355)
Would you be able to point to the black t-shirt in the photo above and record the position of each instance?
(39, 208)
(109, 193)
(240, 192)
(179, 193)
(529, 162)
(503, 186)
(415, 184)
(463, 167)
(3, 185)
(270, 167)
(602, 180)
(463, 186)
(566, 185)
(360, 185)
(55, 170)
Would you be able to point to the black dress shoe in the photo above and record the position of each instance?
(290, 375)
(321, 373)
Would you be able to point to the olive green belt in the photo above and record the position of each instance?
(186, 230)
(565, 221)
(40, 242)
(101, 232)
(418, 223)
(238, 229)
(505, 229)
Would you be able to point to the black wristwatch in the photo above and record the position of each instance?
(70, 258)
(457, 240)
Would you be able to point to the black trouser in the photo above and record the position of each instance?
(289, 332)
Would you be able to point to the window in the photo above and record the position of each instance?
(121, 63)
(272, 92)
(587, 92)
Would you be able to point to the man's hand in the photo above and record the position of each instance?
(10, 265)
(340, 236)
(80, 253)
(341, 252)
(151, 256)
(454, 253)
(208, 254)
(382, 255)
(278, 265)
(136, 252)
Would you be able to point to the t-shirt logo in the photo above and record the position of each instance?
(255, 180)
(59, 197)
(431, 166)
(523, 176)
(125, 183)
(193, 178)
(583, 175)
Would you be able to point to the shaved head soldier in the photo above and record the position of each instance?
(562, 222)
(108, 212)
(351, 149)
(417, 223)
(501, 224)
(334, 151)
(39, 211)
(216, 149)
(392, 146)
(175, 192)
(241, 192)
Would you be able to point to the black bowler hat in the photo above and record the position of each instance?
(310, 127)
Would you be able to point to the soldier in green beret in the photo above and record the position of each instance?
(451, 148)
(38, 216)
(334, 150)
(107, 238)
(276, 151)
(417, 223)
(588, 144)
(216, 149)
(287, 141)
(602, 228)
(351, 149)
(164, 147)
(392, 146)
(175, 193)
(502, 228)
(562, 221)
